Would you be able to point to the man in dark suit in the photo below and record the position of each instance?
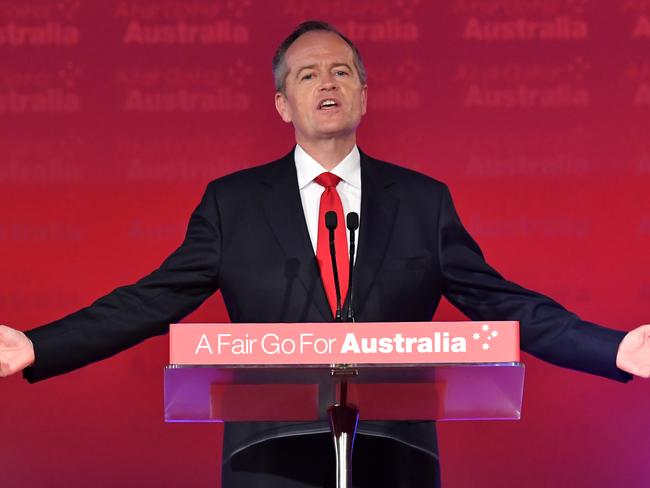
(254, 236)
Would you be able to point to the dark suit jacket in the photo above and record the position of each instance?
(248, 237)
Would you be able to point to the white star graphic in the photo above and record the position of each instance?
(476, 336)
(486, 346)
(485, 327)
(494, 333)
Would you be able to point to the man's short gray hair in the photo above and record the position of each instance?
(280, 67)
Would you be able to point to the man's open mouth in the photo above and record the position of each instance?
(328, 104)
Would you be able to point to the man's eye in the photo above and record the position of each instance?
(307, 76)
(341, 73)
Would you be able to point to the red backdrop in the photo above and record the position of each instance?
(115, 115)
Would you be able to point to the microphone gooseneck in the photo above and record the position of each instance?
(331, 223)
(352, 222)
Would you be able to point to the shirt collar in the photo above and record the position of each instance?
(307, 168)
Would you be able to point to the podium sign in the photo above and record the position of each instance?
(393, 371)
(344, 343)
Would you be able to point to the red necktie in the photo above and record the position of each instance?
(331, 201)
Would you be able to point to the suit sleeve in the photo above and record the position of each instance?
(131, 314)
(548, 331)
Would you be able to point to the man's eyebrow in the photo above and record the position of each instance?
(302, 68)
(334, 65)
(313, 66)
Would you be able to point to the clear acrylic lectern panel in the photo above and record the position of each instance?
(488, 391)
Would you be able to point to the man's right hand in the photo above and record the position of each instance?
(16, 351)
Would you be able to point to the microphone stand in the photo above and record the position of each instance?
(352, 222)
(331, 223)
(343, 417)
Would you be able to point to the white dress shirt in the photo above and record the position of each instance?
(349, 188)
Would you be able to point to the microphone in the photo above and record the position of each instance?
(331, 222)
(352, 221)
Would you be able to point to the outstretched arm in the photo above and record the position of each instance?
(128, 315)
(548, 331)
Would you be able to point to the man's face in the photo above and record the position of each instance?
(323, 95)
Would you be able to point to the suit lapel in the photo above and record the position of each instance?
(283, 210)
(378, 211)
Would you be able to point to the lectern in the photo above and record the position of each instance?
(344, 372)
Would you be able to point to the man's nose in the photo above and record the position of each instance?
(329, 82)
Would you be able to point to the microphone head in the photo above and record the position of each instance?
(330, 220)
(353, 221)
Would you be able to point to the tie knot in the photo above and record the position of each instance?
(328, 180)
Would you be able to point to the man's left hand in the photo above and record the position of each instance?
(634, 352)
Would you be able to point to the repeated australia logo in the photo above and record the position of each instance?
(43, 159)
(181, 160)
(180, 22)
(392, 21)
(176, 89)
(386, 95)
(31, 91)
(524, 85)
(515, 154)
(47, 23)
(513, 20)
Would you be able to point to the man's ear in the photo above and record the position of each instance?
(282, 106)
(364, 99)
